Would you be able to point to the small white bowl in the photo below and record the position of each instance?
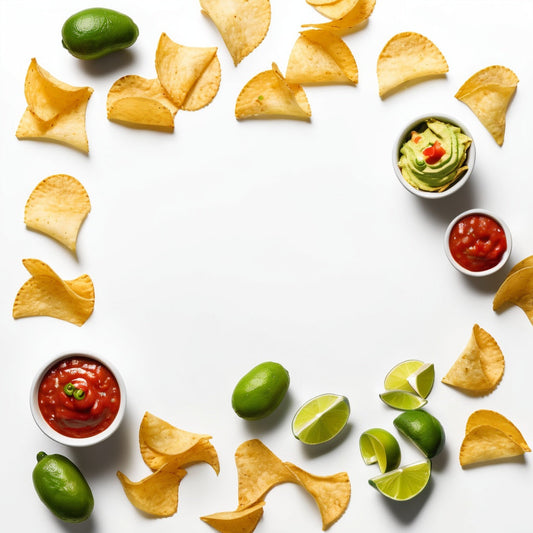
(51, 432)
(482, 273)
(405, 135)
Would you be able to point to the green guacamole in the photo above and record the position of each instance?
(420, 169)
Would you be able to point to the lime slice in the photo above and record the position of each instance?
(396, 379)
(403, 483)
(403, 400)
(321, 418)
(379, 446)
(422, 379)
(423, 430)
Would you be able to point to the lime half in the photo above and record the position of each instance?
(423, 430)
(422, 379)
(396, 379)
(321, 418)
(403, 400)
(403, 483)
(379, 446)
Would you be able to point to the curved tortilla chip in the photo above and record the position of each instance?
(240, 521)
(156, 494)
(408, 56)
(269, 94)
(337, 9)
(517, 289)
(319, 56)
(488, 94)
(46, 294)
(243, 24)
(205, 88)
(527, 262)
(480, 367)
(57, 207)
(349, 22)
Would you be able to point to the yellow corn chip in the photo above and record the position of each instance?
(527, 262)
(57, 207)
(349, 22)
(331, 493)
(319, 56)
(205, 88)
(517, 289)
(336, 10)
(240, 521)
(243, 24)
(46, 294)
(156, 494)
(488, 94)
(320, 2)
(140, 101)
(480, 367)
(406, 57)
(269, 94)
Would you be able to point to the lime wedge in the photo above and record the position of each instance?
(379, 446)
(403, 483)
(321, 418)
(423, 430)
(403, 400)
(396, 379)
(422, 379)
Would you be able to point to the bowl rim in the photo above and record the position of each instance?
(51, 432)
(470, 156)
(505, 256)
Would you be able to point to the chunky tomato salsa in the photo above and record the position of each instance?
(79, 397)
(477, 242)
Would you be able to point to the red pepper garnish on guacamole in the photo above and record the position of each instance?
(434, 153)
(79, 397)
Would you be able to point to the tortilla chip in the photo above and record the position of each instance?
(57, 207)
(156, 494)
(517, 289)
(331, 493)
(179, 67)
(527, 262)
(349, 22)
(485, 417)
(320, 2)
(480, 367)
(488, 94)
(269, 94)
(243, 24)
(240, 521)
(407, 57)
(337, 9)
(259, 470)
(205, 88)
(140, 101)
(166, 447)
(46, 294)
(56, 111)
(319, 56)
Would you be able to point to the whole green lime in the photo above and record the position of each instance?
(259, 392)
(62, 488)
(98, 31)
(423, 430)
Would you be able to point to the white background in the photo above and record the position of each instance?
(226, 243)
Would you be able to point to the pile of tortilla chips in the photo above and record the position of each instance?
(490, 436)
(259, 470)
(56, 110)
(488, 94)
(167, 451)
(480, 367)
(407, 57)
(188, 78)
(57, 207)
(46, 294)
(243, 24)
(517, 288)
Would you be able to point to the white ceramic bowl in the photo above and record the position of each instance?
(404, 136)
(481, 273)
(52, 433)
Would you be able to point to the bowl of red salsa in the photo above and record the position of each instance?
(78, 399)
(477, 242)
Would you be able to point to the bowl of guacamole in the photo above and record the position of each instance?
(434, 156)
